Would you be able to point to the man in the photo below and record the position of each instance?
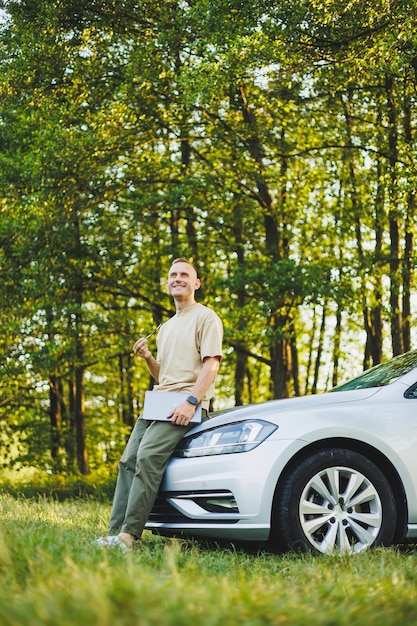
(189, 351)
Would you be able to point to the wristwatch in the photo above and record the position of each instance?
(192, 400)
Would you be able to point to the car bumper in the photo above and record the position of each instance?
(226, 497)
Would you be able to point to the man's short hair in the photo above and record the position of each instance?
(183, 260)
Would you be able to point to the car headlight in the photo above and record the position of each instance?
(228, 439)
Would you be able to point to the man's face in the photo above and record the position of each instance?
(182, 281)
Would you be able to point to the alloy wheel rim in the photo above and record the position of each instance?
(340, 511)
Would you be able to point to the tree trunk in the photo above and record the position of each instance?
(319, 349)
(394, 227)
(371, 314)
(336, 347)
(241, 364)
(375, 322)
(56, 403)
(55, 418)
(407, 274)
(280, 348)
(126, 408)
(79, 414)
(79, 399)
(280, 354)
(78, 334)
(294, 360)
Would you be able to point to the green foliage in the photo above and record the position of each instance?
(51, 574)
(271, 142)
(38, 486)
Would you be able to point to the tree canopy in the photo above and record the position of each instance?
(272, 143)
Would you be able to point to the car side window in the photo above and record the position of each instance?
(411, 392)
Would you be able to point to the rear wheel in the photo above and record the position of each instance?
(335, 501)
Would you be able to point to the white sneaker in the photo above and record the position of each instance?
(113, 541)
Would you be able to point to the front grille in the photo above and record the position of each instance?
(164, 512)
(221, 502)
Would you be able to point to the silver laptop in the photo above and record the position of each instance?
(159, 404)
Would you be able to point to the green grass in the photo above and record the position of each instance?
(51, 574)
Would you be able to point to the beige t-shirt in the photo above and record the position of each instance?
(183, 342)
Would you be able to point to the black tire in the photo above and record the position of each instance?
(335, 500)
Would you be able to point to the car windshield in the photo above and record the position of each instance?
(382, 374)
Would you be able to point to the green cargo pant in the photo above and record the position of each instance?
(141, 469)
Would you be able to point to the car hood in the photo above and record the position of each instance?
(275, 407)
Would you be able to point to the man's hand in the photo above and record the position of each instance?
(141, 349)
(182, 414)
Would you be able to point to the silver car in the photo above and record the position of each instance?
(323, 473)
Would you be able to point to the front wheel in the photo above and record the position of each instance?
(336, 500)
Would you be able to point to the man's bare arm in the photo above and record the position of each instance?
(184, 412)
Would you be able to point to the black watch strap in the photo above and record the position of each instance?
(192, 400)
